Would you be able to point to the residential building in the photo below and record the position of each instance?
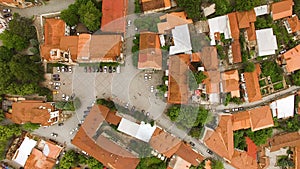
(208, 9)
(261, 10)
(212, 82)
(150, 55)
(256, 119)
(266, 41)
(90, 139)
(33, 111)
(250, 35)
(3, 25)
(230, 83)
(236, 52)
(245, 18)
(181, 39)
(252, 88)
(291, 59)
(219, 25)
(178, 92)
(209, 58)
(169, 21)
(234, 27)
(292, 24)
(113, 16)
(282, 9)
(22, 153)
(16, 3)
(151, 6)
(283, 108)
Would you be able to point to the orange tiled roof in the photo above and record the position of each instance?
(113, 15)
(292, 58)
(252, 84)
(284, 140)
(31, 111)
(83, 46)
(261, 118)
(240, 120)
(236, 51)
(282, 9)
(172, 19)
(234, 27)
(230, 80)
(69, 43)
(251, 33)
(165, 143)
(294, 23)
(245, 17)
(212, 81)
(251, 148)
(221, 140)
(242, 160)
(178, 69)
(150, 56)
(297, 157)
(209, 58)
(151, 5)
(38, 160)
(188, 154)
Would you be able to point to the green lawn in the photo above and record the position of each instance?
(262, 83)
(273, 70)
(278, 86)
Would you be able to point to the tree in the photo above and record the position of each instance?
(90, 16)
(192, 8)
(236, 100)
(242, 5)
(296, 78)
(70, 15)
(249, 67)
(151, 163)
(93, 163)
(68, 160)
(216, 164)
(30, 126)
(239, 139)
(13, 41)
(222, 7)
(148, 22)
(22, 27)
(260, 137)
(195, 78)
(285, 162)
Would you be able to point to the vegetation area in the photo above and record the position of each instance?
(296, 78)
(73, 159)
(135, 50)
(65, 105)
(189, 117)
(142, 148)
(151, 163)
(285, 162)
(258, 137)
(296, 8)
(278, 86)
(87, 12)
(262, 83)
(147, 22)
(195, 78)
(215, 164)
(221, 52)
(6, 133)
(272, 69)
(290, 125)
(137, 7)
(30, 126)
(249, 66)
(192, 8)
(229, 99)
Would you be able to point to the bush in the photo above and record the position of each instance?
(249, 67)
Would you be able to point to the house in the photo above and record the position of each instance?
(252, 85)
(234, 27)
(33, 111)
(250, 35)
(261, 10)
(236, 51)
(3, 25)
(242, 160)
(230, 83)
(150, 55)
(266, 41)
(251, 148)
(283, 108)
(292, 59)
(22, 153)
(181, 39)
(283, 140)
(16, 3)
(151, 6)
(282, 9)
(90, 139)
(212, 82)
(245, 18)
(292, 24)
(178, 80)
(113, 16)
(256, 119)
(169, 21)
(209, 58)
(219, 25)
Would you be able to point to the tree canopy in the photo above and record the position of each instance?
(195, 78)
(296, 78)
(249, 66)
(70, 15)
(6, 133)
(192, 8)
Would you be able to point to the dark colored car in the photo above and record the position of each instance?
(55, 76)
(7, 15)
(85, 69)
(86, 112)
(209, 151)
(60, 124)
(100, 68)
(192, 144)
(241, 108)
(6, 10)
(133, 108)
(113, 69)
(56, 79)
(109, 69)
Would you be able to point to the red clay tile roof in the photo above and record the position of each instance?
(251, 33)
(150, 56)
(230, 81)
(292, 58)
(31, 111)
(152, 5)
(245, 17)
(251, 148)
(209, 58)
(188, 154)
(294, 23)
(240, 120)
(221, 140)
(297, 157)
(69, 43)
(113, 15)
(172, 19)
(241, 160)
(282, 9)
(234, 27)
(164, 143)
(284, 140)
(236, 51)
(178, 70)
(212, 81)
(261, 118)
(252, 85)
(196, 57)
(37, 160)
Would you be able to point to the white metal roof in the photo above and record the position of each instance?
(140, 131)
(182, 40)
(219, 24)
(266, 41)
(283, 108)
(261, 10)
(24, 151)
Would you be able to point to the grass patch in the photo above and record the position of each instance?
(278, 86)
(262, 83)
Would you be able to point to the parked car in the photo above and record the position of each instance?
(63, 69)
(56, 83)
(133, 108)
(97, 69)
(151, 89)
(109, 69)
(105, 69)
(89, 69)
(72, 131)
(86, 112)
(129, 22)
(209, 151)
(113, 69)
(192, 144)
(6, 10)
(56, 87)
(118, 69)
(127, 105)
(226, 111)
(7, 15)
(148, 114)
(55, 75)
(56, 79)
(85, 69)
(63, 96)
(241, 108)
(145, 76)
(67, 98)
(149, 77)
(60, 124)
(58, 69)
(100, 68)
(70, 69)
(54, 134)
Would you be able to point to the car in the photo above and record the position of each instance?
(143, 111)
(63, 69)
(58, 69)
(86, 112)
(72, 131)
(56, 83)
(105, 69)
(113, 69)
(67, 98)
(60, 124)
(129, 22)
(241, 108)
(70, 69)
(56, 79)
(56, 87)
(226, 111)
(192, 144)
(93, 69)
(7, 15)
(81, 121)
(55, 75)
(89, 69)
(89, 108)
(63, 96)
(151, 89)
(148, 114)
(145, 76)
(55, 92)
(133, 108)
(109, 69)
(118, 69)
(127, 105)
(6, 10)
(97, 69)
(136, 29)
(100, 68)
(236, 109)
(209, 151)
(149, 77)
(9, 19)
(282, 52)
(54, 134)
(85, 69)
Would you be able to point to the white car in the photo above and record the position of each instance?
(67, 98)
(56, 83)
(129, 22)
(70, 69)
(58, 69)
(152, 89)
(72, 131)
(63, 68)
(54, 134)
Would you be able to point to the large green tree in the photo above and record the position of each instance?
(296, 78)
(13, 41)
(245, 5)
(191, 7)
(70, 15)
(90, 15)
